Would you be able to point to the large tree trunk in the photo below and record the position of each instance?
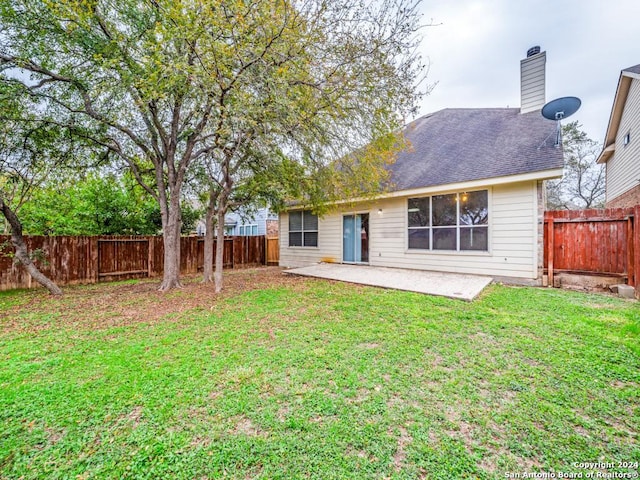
(217, 277)
(171, 238)
(207, 275)
(22, 255)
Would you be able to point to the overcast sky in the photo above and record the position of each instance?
(475, 51)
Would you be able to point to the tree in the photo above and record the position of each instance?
(29, 150)
(583, 182)
(321, 109)
(91, 204)
(21, 251)
(166, 84)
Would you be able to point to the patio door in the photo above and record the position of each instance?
(355, 238)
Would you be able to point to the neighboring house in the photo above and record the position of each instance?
(262, 222)
(468, 197)
(621, 150)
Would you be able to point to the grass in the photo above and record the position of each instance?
(292, 378)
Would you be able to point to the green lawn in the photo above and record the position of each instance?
(312, 379)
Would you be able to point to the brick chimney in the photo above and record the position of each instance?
(532, 80)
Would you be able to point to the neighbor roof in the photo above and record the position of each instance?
(634, 69)
(464, 144)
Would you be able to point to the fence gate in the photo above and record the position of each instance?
(592, 242)
(273, 250)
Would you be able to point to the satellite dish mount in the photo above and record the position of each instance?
(559, 109)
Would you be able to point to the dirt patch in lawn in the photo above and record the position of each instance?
(400, 456)
(124, 303)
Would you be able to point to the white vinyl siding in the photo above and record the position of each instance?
(532, 82)
(329, 243)
(623, 168)
(512, 237)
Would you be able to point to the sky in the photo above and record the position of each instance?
(474, 50)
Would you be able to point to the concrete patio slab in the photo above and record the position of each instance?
(452, 285)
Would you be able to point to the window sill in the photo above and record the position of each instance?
(300, 247)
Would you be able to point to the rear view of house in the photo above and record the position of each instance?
(621, 153)
(467, 197)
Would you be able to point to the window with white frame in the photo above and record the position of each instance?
(303, 229)
(247, 230)
(452, 222)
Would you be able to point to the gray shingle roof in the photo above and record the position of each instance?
(464, 144)
(634, 69)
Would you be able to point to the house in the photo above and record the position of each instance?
(261, 222)
(467, 198)
(247, 223)
(621, 149)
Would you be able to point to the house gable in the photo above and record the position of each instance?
(621, 152)
(619, 103)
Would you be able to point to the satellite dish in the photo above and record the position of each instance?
(559, 109)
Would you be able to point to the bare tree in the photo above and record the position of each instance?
(583, 182)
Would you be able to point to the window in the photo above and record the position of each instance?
(453, 222)
(444, 220)
(627, 139)
(474, 221)
(303, 229)
(419, 215)
(228, 230)
(247, 230)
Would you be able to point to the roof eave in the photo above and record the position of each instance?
(548, 174)
(606, 153)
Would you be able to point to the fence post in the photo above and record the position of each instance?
(636, 246)
(550, 253)
(94, 261)
(631, 277)
(151, 244)
(233, 252)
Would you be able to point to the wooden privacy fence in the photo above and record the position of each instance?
(82, 259)
(593, 242)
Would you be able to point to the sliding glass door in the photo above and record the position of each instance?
(355, 238)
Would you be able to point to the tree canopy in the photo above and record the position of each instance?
(99, 204)
(244, 87)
